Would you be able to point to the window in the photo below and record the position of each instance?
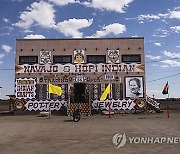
(96, 59)
(131, 58)
(28, 60)
(41, 91)
(62, 59)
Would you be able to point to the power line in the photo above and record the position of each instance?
(5, 69)
(156, 84)
(164, 77)
(155, 61)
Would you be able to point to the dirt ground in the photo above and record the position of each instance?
(29, 134)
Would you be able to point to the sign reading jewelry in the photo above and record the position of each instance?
(114, 104)
(25, 88)
(79, 68)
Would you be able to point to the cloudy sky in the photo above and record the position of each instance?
(158, 21)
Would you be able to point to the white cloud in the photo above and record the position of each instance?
(41, 14)
(110, 5)
(147, 16)
(72, 27)
(161, 33)
(153, 57)
(31, 36)
(17, 0)
(164, 66)
(172, 63)
(157, 44)
(4, 34)
(176, 29)
(1, 56)
(6, 48)
(14, 0)
(178, 46)
(134, 36)
(1, 62)
(175, 14)
(6, 20)
(114, 28)
(63, 2)
(28, 31)
(171, 55)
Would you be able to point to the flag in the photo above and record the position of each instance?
(165, 89)
(54, 89)
(105, 93)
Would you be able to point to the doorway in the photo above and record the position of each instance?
(79, 93)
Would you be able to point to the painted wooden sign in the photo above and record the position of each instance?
(40, 105)
(79, 68)
(114, 104)
(25, 88)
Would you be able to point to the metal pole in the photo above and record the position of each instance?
(90, 98)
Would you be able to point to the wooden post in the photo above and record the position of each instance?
(168, 111)
(109, 111)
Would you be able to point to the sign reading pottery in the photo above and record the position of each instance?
(114, 104)
(25, 88)
(45, 105)
(41, 105)
(79, 68)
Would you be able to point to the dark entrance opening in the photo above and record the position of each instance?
(79, 93)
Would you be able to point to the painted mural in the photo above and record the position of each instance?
(113, 56)
(45, 57)
(134, 87)
(79, 56)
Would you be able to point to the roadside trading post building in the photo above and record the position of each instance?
(82, 68)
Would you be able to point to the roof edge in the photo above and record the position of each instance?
(81, 38)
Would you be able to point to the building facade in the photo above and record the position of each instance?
(82, 68)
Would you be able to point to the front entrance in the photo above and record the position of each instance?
(80, 97)
(79, 93)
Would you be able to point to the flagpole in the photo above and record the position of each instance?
(168, 90)
(49, 110)
(110, 100)
(48, 91)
